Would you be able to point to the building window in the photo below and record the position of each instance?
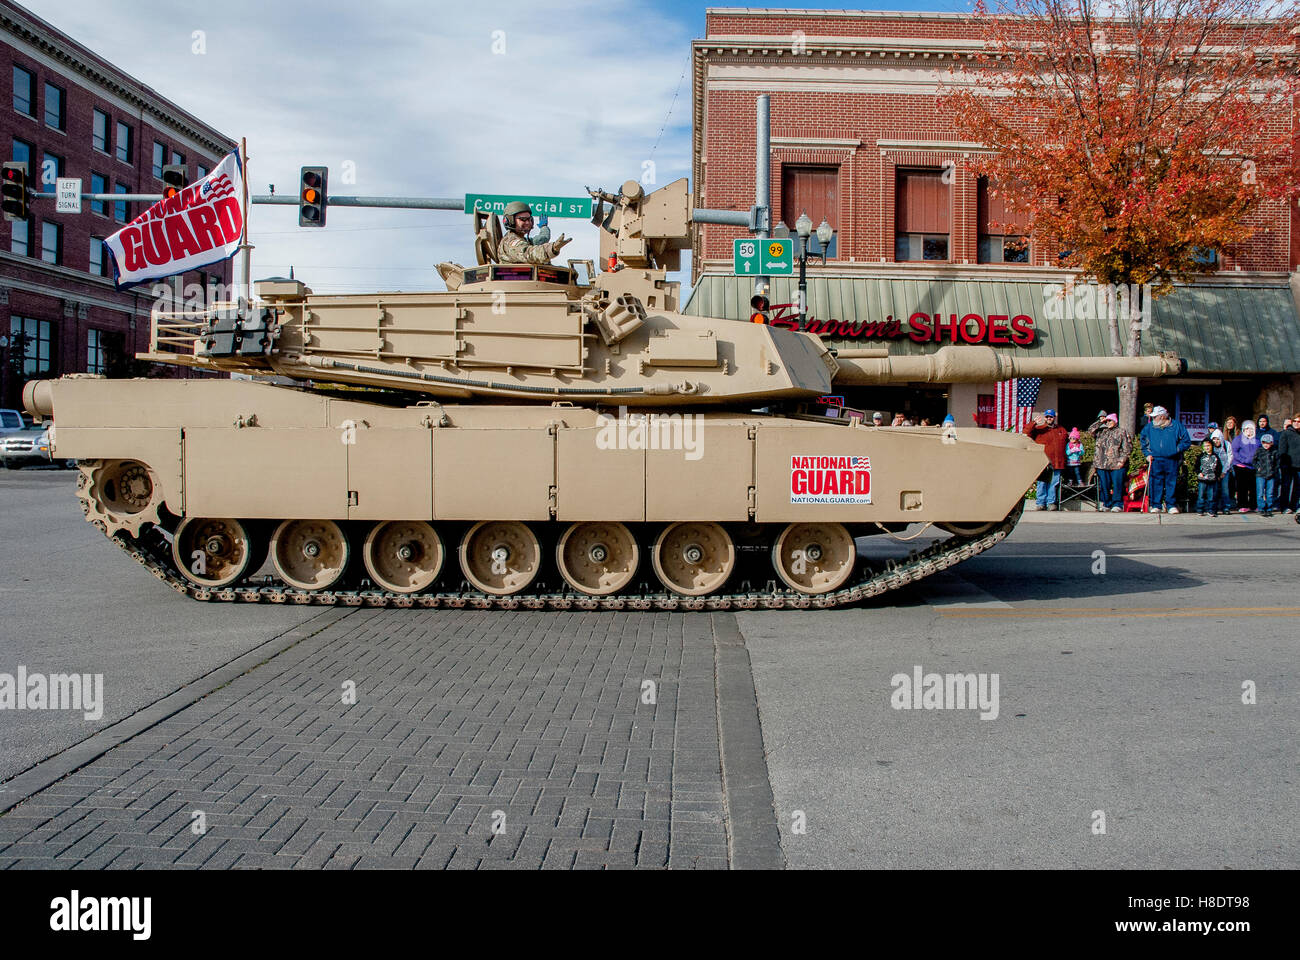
(19, 231)
(51, 242)
(24, 91)
(159, 158)
(813, 190)
(53, 106)
(995, 248)
(23, 154)
(99, 184)
(125, 135)
(98, 257)
(920, 246)
(35, 338)
(121, 208)
(178, 158)
(96, 351)
(203, 171)
(1002, 231)
(1206, 255)
(922, 215)
(51, 170)
(99, 131)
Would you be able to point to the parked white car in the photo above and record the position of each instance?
(11, 421)
(29, 447)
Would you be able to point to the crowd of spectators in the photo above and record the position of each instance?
(1248, 468)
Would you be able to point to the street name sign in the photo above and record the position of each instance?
(67, 195)
(577, 208)
(759, 257)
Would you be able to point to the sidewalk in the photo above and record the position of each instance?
(1089, 515)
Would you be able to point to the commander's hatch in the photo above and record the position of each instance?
(487, 237)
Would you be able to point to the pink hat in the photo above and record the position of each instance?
(1111, 416)
(1074, 433)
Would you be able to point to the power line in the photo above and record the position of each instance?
(685, 67)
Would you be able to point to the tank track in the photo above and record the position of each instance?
(152, 552)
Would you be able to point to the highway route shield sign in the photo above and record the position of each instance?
(756, 256)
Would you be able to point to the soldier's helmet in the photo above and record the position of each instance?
(512, 208)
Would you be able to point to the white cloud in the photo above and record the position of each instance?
(413, 94)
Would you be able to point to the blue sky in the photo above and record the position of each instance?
(498, 96)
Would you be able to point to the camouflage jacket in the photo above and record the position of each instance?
(516, 249)
(1113, 446)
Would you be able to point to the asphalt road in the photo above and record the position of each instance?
(71, 602)
(1118, 692)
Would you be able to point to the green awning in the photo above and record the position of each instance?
(1219, 329)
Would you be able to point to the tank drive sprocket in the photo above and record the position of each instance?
(119, 496)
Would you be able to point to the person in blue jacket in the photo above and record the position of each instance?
(1163, 443)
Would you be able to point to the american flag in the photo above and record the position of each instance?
(860, 463)
(1015, 402)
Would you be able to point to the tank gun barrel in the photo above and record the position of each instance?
(974, 364)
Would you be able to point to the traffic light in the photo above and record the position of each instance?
(15, 190)
(312, 196)
(175, 179)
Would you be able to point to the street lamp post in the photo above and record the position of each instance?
(803, 227)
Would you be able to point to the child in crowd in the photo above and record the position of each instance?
(1230, 431)
(1268, 466)
(1074, 456)
(1244, 447)
(1208, 470)
(1224, 452)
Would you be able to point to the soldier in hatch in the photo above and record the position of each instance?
(515, 247)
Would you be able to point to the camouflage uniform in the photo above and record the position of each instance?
(516, 249)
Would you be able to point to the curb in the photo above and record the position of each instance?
(751, 808)
(1156, 519)
(49, 771)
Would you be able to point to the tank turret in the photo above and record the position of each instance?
(537, 435)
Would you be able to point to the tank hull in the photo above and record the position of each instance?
(220, 448)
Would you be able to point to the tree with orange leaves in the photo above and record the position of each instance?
(1134, 136)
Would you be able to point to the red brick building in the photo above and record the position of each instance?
(919, 241)
(69, 113)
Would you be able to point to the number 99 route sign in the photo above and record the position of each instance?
(756, 256)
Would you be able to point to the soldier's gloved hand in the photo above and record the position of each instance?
(559, 242)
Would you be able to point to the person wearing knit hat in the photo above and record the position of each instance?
(1111, 461)
(1163, 443)
(1044, 429)
(1074, 456)
(1208, 470)
(1223, 450)
(1268, 466)
(1244, 447)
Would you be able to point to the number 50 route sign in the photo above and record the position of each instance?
(756, 256)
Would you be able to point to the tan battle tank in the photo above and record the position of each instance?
(536, 436)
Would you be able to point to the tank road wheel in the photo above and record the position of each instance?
(120, 495)
(500, 557)
(310, 554)
(597, 558)
(967, 529)
(693, 557)
(814, 557)
(403, 556)
(214, 552)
